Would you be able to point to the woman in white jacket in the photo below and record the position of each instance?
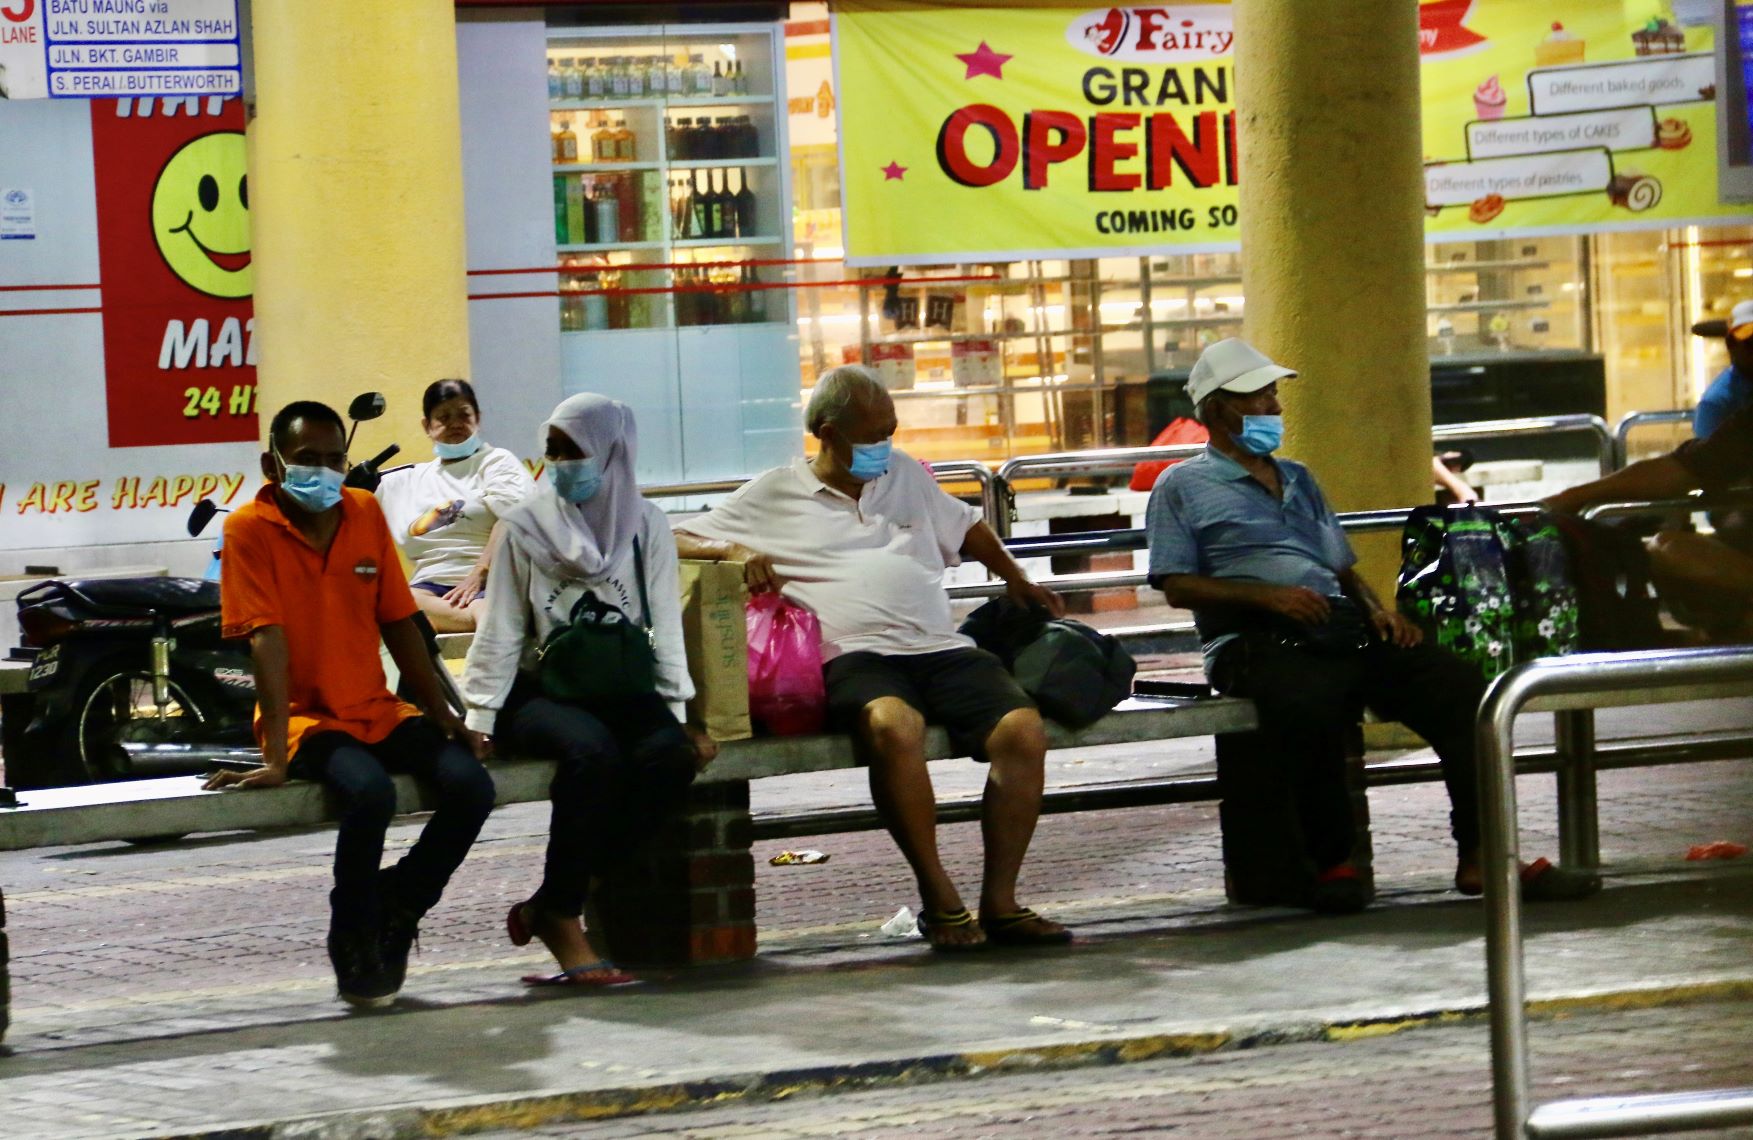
(443, 512)
(621, 767)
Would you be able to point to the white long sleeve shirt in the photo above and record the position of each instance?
(525, 605)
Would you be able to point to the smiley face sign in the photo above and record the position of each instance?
(201, 215)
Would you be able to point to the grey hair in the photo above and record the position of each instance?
(838, 392)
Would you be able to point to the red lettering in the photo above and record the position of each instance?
(1148, 27)
(1105, 151)
(1167, 147)
(18, 11)
(1232, 162)
(1041, 149)
(952, 145)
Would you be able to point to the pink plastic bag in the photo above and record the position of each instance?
(786, 695)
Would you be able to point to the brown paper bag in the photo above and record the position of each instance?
(715, 635)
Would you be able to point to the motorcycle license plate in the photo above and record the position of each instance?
(45, 667)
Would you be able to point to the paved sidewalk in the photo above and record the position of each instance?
(172, 990)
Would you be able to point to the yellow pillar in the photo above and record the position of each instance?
(1332, 229)
(356, 188)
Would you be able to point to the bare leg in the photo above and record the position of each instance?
(1016, 754)
(564, 937)
(446, 618)
(894, 734)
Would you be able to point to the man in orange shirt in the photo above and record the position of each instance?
(310, 575)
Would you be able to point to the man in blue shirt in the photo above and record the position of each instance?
(1249, 544)
(1733, 387)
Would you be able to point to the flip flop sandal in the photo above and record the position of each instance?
(596, 976)
(1543, 881)
(933, 921)
(1011, 930)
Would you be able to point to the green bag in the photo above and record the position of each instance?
(600, 656)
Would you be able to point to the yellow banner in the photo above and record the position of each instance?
(979, 131)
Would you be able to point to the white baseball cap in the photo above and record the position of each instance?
(1739, 325)
(1233, 365)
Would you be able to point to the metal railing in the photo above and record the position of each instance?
(946, 471)
(1634, 420)
(1595, 426)
(1574, 687)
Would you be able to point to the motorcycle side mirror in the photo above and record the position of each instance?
(366, 406)
(201, 516)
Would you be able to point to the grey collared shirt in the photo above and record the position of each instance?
(1208, 516)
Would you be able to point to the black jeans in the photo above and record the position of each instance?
(621, 771)
(1308, 701)
(358, 776)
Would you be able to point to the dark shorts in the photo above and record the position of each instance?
(968, 691)
(438, 589)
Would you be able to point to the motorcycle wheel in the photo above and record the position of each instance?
(118, 708)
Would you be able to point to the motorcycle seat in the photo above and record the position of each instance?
(173, 597)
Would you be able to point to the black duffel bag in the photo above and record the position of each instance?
(1074, 673)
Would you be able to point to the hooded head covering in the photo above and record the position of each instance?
(582, 540)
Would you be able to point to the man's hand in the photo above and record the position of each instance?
(1565, 502)
(478, 744)
(705, 748)
(267, 776)
(758, 572)
(1298, 603)
(1393, 628)
(1034, 597)
(466, 591)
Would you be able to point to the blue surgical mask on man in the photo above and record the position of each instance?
(576, 480)
(316, 489)
(1260, 435)
(461, 450)
(870, 460)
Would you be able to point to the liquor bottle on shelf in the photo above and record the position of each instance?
(556, 80)
(673, 73)
(577, 225)
(571, 305)
(635, 77)
(702, 78)
(720, 82)
(625, 143)
(572, 79)
(566, 143)
(595, 79)
(744, 206)
(739, 83)
(749, 137)
(626, 190)
(675, 138)
(605, 211)
(594, 306)
(697, 207)
(755, 311)
(620, 85)
(718, 223)
(603, 146)
(680, 218)
(562, 225)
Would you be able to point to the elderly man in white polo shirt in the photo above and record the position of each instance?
(860, 534)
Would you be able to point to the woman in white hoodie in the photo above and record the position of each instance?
(624, 764)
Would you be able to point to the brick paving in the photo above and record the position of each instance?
(144, 975)
(1428, 1082)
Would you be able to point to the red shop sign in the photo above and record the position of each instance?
(173, 229)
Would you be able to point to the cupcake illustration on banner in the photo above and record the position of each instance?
(1489, 99)
(1558, 48)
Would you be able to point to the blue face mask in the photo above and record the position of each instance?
(1260, 435)
(461, 450)
(870, 460)
(316, 489)
(576, 480)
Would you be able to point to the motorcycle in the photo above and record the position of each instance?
(131, 677)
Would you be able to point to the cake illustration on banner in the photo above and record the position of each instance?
(1558, 48)
(1489, 99)
(1673, 134)
(1658, 37)
(1636, 192)
(1484, 209)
